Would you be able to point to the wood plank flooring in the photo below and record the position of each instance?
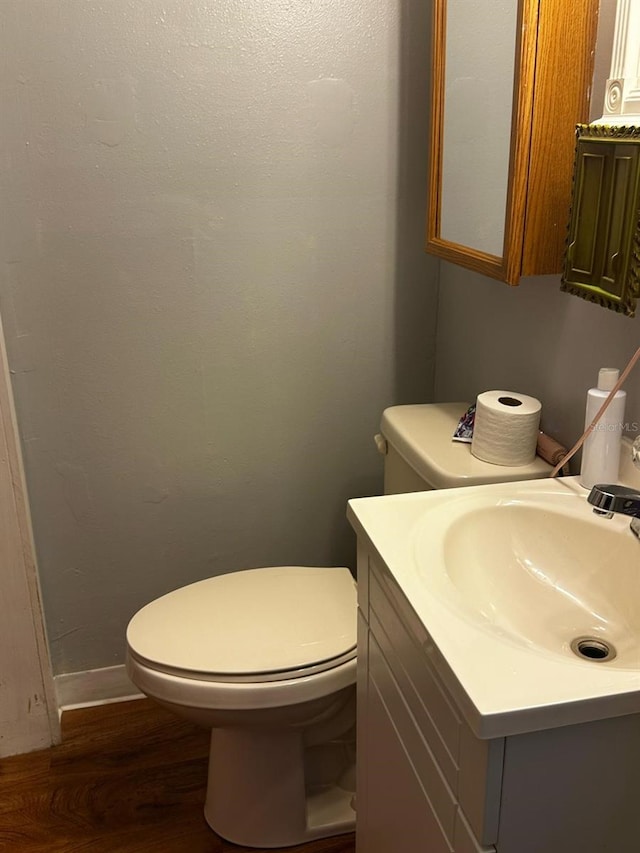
(127, 778)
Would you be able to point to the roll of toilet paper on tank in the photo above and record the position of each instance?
(506, 425)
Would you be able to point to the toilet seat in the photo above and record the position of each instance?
(192, 692)
(271, 624)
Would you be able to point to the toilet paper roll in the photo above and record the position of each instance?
(506, 428)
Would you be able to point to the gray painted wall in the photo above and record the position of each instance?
(532, 338)
(212, 284)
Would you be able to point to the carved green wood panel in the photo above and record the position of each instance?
(602, 261)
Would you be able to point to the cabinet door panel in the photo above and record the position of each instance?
(602, 262)
(589, 210)
(623, 191)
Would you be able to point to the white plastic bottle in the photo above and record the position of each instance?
(601, 450)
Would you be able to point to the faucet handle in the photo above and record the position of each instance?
(608, 498)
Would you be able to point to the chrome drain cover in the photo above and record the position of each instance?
(593, 648)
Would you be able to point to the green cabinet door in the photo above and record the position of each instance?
(602, 257)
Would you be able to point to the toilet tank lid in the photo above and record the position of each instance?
(254, 621)
(422, 435)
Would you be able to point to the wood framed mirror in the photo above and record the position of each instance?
(509, 84)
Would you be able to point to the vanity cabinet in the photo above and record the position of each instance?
(510, 81)
(424, 780)
(427, 782)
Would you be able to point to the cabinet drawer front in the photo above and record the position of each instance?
(419, 755)
(465, 841)
(434, 712)
(393, 816)
(415, 704)
(472, 767)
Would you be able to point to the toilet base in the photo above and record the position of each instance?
(256, 794)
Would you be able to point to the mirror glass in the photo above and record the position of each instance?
(478, 94)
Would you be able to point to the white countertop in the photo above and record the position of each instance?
(503, 684)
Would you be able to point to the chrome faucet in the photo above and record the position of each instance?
(607, 500)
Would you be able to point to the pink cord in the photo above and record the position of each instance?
(576, 447)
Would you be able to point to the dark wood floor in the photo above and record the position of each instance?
(128, 777)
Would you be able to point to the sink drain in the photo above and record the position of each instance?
(591, 648)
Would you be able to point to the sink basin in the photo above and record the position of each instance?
(544, 571)
(530, 600)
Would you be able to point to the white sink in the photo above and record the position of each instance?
(505, 578)
(540, 569)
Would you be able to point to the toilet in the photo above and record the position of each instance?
(266, 659)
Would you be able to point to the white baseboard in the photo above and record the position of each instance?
(94, 687)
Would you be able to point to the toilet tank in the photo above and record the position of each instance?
(419, 453)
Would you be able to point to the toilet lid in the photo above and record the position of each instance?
(253, 622)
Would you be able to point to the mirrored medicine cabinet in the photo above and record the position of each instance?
(510, 82)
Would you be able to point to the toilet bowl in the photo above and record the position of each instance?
(265, 658)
